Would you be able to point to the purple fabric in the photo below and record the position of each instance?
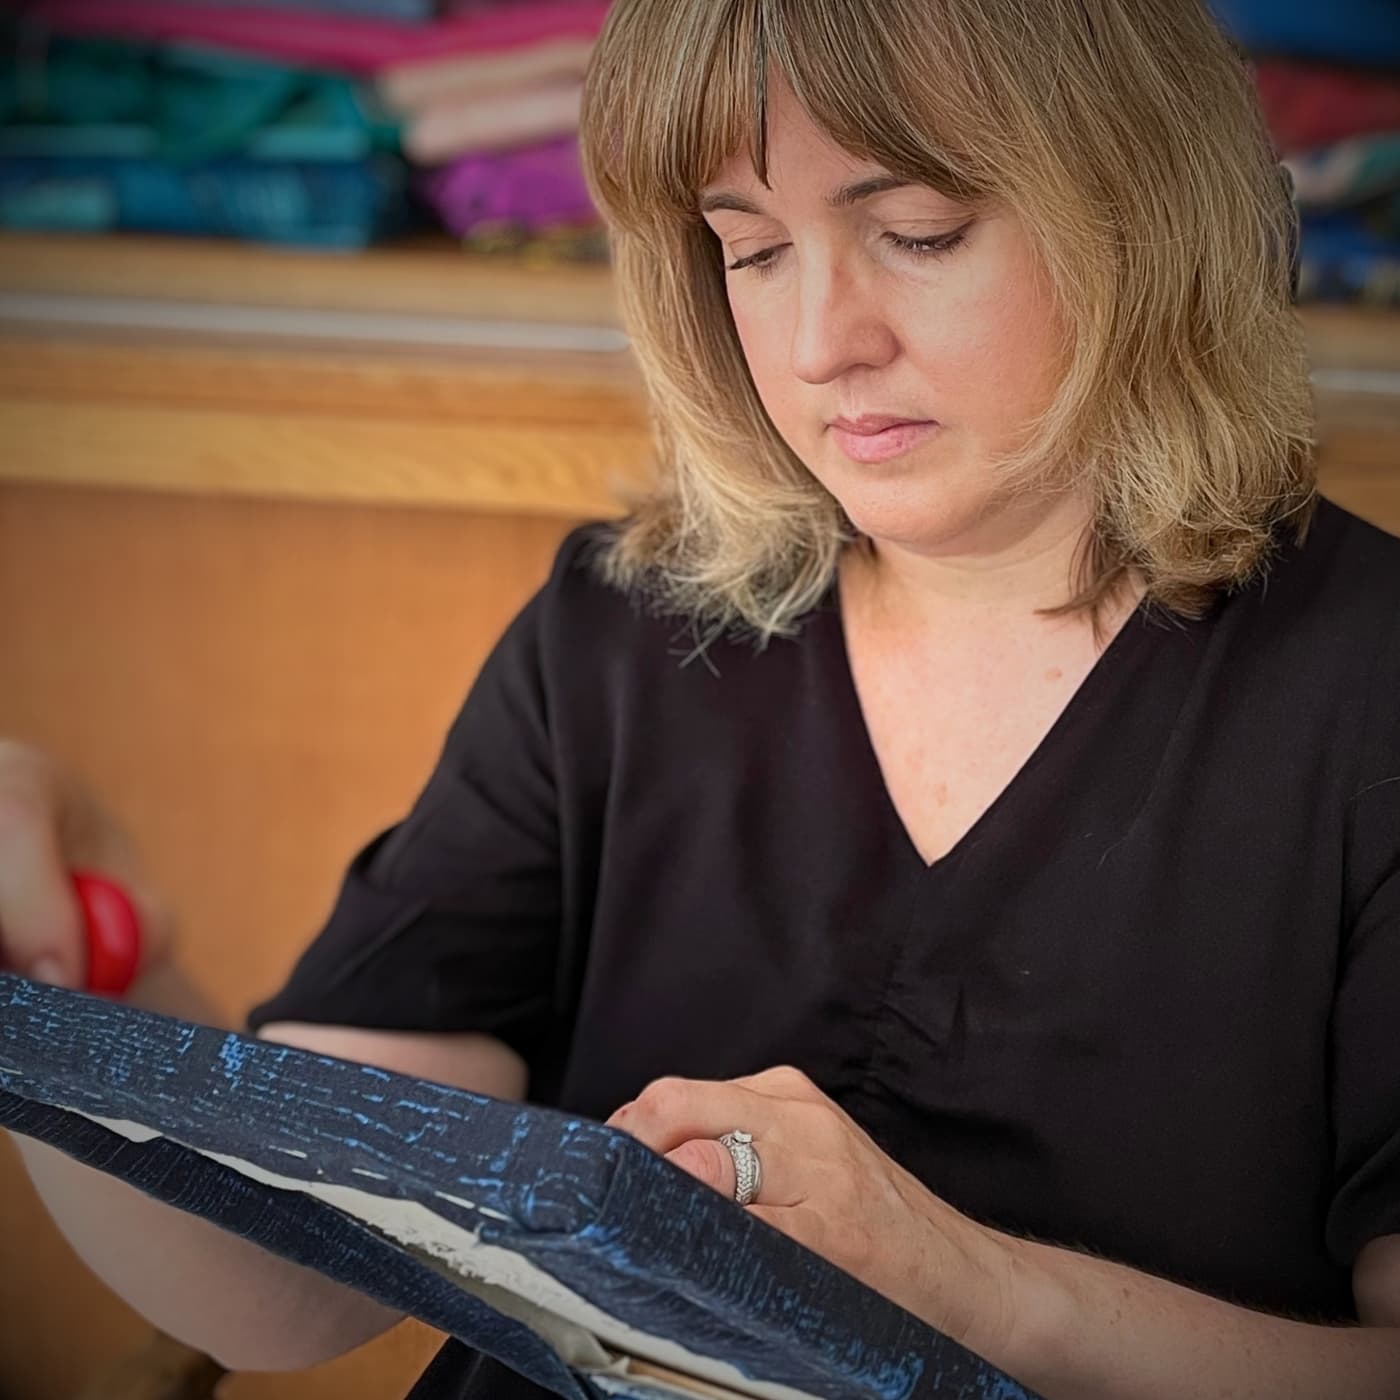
(326, 41)
(533, 188)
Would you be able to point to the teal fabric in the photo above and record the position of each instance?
(180, 104)
(99, 135)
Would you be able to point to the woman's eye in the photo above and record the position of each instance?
(762, 262)
(930, 247)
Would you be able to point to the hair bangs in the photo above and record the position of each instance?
(849, 69)
(646, 162)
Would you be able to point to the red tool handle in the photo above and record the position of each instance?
(113, 934)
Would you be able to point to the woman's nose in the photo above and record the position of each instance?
(839, 322)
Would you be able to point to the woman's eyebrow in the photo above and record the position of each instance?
(841, 198)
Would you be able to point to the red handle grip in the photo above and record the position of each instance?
(113, 934)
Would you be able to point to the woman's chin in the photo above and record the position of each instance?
(908, 514)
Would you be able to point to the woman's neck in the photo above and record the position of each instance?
(1004, 567)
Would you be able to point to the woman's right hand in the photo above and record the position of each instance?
(50, 827)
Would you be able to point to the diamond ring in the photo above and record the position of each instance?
(748, 1171)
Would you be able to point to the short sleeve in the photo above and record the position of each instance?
(1365, 1030)
(450, 920)
(1366, 1080)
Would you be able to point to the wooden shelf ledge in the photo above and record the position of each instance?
(408, 375)
(427, 277)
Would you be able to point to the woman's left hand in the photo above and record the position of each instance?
(827, 1185)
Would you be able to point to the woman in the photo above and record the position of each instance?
(925, 781)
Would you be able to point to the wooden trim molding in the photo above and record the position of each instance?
(412, 376)
(415, 375)
(428, 276)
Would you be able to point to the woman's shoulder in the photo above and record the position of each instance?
(1323, 628)
(1364, 552)
(606, 648)
(1338, 586)
(578, 570)
(586, 607)
(581, 606)
(1320, 625)
(1347, 683)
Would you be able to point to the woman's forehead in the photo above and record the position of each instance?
(796, 151)
(780, 124)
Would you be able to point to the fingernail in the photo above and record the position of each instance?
(49, 970)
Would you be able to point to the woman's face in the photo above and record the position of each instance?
(840, 319)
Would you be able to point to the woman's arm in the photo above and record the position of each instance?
(1082, 1328)
(206, 1286)
(1070, 1326)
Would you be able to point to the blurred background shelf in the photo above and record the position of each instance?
(427, 275)
(416, 374)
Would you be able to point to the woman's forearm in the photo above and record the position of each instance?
(1083, 1328)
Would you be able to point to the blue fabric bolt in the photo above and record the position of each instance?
(586, 1206)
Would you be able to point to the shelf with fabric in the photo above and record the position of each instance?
(416, 374)
(405, 376)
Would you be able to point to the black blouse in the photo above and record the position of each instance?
(1148, 1005)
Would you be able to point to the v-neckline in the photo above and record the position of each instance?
(1135, 625)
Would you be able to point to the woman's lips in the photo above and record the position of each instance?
(881, 446)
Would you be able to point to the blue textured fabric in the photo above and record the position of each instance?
(1345, 31)
(642, 1255)
(335, 204)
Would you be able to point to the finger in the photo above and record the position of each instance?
(791, 1083)
(672, 1110)
(784, 1082)
(671, 1114)
(41, 924)
(707, 1160)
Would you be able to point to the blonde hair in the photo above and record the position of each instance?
(1126, 136)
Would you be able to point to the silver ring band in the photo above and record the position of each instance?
(748, 1170)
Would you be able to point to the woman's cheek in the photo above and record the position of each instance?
(765, 353)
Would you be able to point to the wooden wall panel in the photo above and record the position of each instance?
(258, 687)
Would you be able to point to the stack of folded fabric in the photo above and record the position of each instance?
(1329, 81)
(329, 122)
(493, 133)
(108, 121)
(102, 135)
(492, 128)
